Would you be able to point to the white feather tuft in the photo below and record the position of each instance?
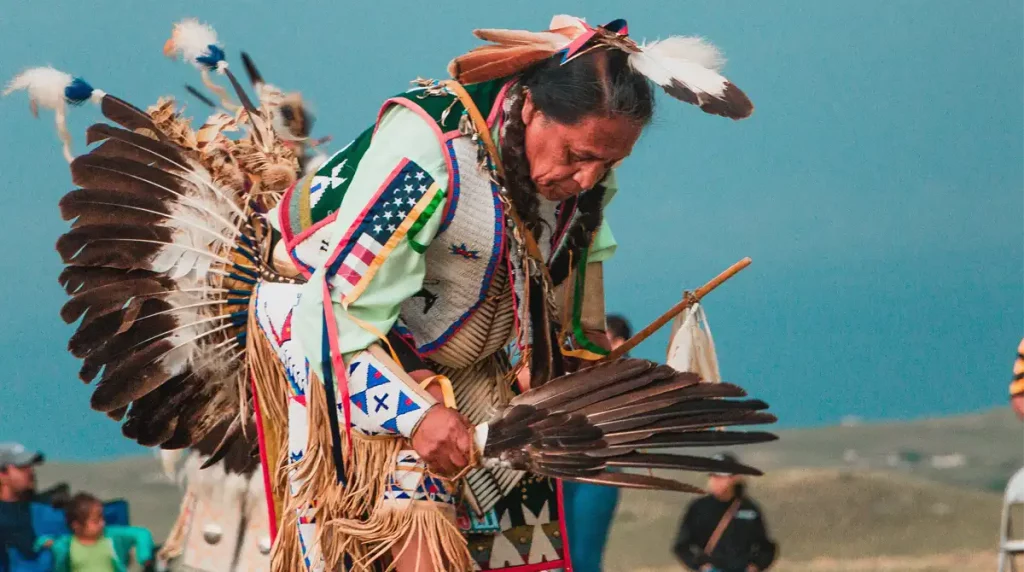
(665, 67)
(696, 50)
(566, 21)
(191, 39)
(45, 86)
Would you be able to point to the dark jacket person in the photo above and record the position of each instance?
(725, 530)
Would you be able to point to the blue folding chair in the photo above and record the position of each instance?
(50, 521)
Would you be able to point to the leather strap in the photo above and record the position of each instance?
(722, 525)
(484, 132)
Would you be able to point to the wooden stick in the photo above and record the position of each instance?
(676, 310)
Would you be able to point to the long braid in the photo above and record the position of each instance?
(521, 190)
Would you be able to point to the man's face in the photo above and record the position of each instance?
(566, 160)
(722, 486)
(20, 480)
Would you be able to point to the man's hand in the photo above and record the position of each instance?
(1017, 402)
(443, 439)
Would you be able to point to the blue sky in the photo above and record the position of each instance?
(878, 186)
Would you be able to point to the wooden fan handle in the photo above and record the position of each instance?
(676, 310)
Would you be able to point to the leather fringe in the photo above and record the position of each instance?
(353, 524)
(271, 384)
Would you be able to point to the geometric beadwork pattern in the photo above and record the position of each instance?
(381, 403)
(410, 482)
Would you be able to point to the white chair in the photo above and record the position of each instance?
(1008, 548)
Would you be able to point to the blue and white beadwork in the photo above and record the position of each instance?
(410, 482)
(381, 403)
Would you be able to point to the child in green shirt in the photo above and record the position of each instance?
(93, 546)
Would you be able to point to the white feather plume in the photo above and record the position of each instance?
(690, 61)
(45, 86)
(566, 21)
(192, 39)
(689, 48)
(687, 68)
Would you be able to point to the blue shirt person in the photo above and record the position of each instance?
(590, 509)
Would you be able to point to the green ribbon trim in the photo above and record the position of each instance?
(577, 309)
(422, 221)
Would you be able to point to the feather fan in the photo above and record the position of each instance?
(580, 426)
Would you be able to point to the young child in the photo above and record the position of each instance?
(94, 547)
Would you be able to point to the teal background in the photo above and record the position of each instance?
(878, 186)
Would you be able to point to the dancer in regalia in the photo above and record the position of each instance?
(408, 334)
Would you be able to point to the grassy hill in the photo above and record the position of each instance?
(829, 509)
(991, 445)
(826, 515)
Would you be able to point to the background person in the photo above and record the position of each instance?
(725, 530)
(590, 508)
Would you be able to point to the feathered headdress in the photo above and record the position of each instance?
(685, 67)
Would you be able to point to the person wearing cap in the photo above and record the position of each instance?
(17, 490)
(589, 509)
(725, 530)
